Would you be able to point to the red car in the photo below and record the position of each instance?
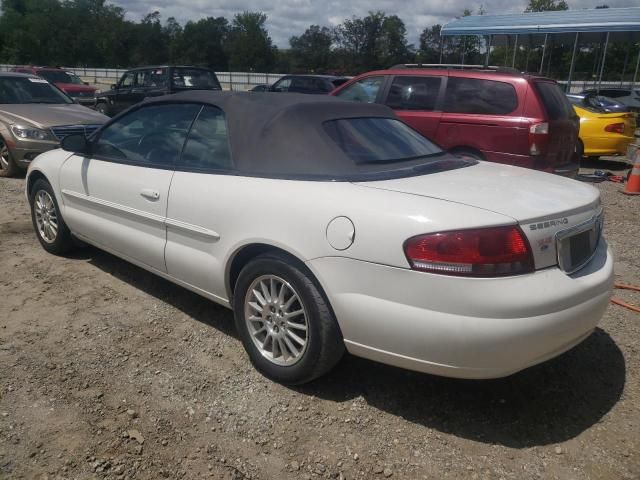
(68, 82)
(500, 116)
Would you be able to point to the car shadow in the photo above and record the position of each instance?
(609, 163)
(545, 404)
(191, 304)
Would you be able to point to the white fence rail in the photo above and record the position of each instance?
(228, 80)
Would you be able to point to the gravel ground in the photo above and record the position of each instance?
(109, 372)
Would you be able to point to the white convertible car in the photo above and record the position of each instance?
(328, 225)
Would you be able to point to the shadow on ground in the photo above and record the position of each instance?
(605, 163)
(542, 405)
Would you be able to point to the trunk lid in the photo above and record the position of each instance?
(544, 205)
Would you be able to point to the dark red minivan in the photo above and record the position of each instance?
(500, 116)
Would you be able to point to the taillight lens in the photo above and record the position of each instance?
(481, 252)
(538, 138)
(615, 128)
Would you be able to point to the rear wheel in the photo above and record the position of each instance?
(284, 321)
(8, 167)
(51, 230)
(580, 149)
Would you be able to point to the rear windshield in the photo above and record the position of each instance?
(555, 101)
(55, 76)
(379, 140)
(194, 79)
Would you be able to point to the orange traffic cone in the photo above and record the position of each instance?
(633, 183)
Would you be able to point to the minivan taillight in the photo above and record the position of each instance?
(480, 252)
(538, 138)
(615, 128)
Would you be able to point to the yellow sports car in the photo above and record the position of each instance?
(604, 133)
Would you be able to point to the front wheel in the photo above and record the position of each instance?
(8, 167)
(284, 321)
(52, 232)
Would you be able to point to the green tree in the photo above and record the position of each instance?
(203, 43)
(311, 51)
(250, 47)
(546, 5)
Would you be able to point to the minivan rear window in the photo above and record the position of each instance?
(554, 100)
(378, 140)
(484, 97)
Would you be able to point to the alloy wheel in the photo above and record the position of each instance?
(277, 320)
(4, 157)
(46, 216)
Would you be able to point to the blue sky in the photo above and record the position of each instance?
(292, 17)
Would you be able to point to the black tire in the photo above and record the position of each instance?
(62, 242)
(8, 167)
(580, 149)
(103, 108)
(324, 340)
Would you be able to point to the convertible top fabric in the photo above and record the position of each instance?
(281, 134)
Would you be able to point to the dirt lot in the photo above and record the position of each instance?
(108, 372)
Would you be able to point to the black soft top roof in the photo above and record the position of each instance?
(282, 135)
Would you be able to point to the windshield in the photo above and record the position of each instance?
(379, 140)
(20, 90)
(59, 76)
(194, 78)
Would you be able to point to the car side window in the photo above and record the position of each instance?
(364, 90)
(141, 78)
(128, 80)
(207, 146)
(414, 93)
(484, 97)
(282, 85)
(152, 135)
(156, 78)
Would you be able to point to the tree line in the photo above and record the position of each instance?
(94, 33)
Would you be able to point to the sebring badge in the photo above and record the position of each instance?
(548, 224)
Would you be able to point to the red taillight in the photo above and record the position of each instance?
(481, 252)
(615, 128)
(538, 138)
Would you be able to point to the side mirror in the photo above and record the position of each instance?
(113, 86)
(76, 143)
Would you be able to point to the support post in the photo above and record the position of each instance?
(515, 49)
(604, 59)
(544, 50)
(441, 47)
(573, 62)
(506, 50)
(486, 60)
(635, 74)
(626, 61)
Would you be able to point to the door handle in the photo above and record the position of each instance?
(150, 194)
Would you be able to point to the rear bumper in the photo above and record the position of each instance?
(464, 327)
(527, 161)
(607, 145)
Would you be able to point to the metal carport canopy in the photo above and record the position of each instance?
(601, 20)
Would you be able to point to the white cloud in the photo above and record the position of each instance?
(292, 17)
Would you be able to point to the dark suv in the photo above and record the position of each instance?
(137, 84)
(488, 114)
(313, 84)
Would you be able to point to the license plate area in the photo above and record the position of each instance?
(577, 245)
